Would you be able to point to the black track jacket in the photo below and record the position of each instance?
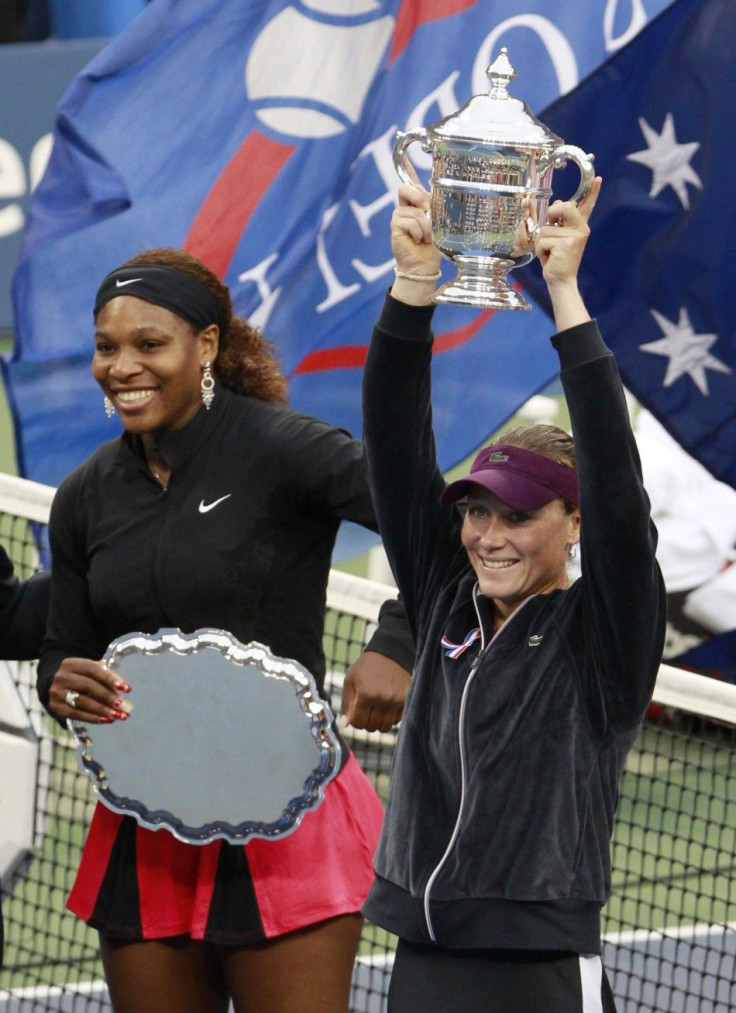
(241, 540)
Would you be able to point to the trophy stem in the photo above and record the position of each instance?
(481, 282)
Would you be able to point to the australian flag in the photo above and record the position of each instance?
(658, 269)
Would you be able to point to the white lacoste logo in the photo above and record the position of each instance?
(122, 284)
(205, 508)
(535, 640)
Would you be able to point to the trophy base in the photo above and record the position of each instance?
(481, 282)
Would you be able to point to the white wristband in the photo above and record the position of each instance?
(416, 277)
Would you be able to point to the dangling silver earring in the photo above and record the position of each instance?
(207, 386)
(572, 550)
(109, 407)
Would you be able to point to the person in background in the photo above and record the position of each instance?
(528, 691)
(218, 506)
(695, 516)
(23, 610)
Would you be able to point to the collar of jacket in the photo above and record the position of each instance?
(178, 445)
(463, 610)
(470, 605)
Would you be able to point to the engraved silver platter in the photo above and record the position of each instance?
(225, 739)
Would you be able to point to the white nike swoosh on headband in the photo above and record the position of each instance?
(205, 509)
(120, 284)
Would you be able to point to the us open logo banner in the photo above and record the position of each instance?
(258, 135)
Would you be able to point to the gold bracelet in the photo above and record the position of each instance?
(416, 277)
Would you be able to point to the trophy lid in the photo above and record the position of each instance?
(497, 118)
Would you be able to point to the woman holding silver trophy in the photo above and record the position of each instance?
(217, 508)
(528, 692)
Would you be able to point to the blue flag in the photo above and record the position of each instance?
(258, 134)
(657, 271)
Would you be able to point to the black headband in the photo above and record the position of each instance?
(164, 286)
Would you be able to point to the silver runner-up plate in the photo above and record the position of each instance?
(225, 739)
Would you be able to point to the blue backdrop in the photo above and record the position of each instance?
(259, 136)
(33, 77)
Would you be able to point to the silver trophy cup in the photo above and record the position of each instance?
(492, 166)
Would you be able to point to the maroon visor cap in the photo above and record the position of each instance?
(521, 478)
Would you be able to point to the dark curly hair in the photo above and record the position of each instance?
(246, 361)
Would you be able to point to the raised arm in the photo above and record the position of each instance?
(417, 258)
(405, 480)
(560, 247)
(622, 585)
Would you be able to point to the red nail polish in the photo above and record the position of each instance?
(104, 721)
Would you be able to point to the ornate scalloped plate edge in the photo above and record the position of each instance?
(315, 709)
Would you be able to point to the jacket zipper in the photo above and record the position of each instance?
(463, 770)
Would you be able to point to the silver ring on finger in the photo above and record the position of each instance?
(71, 698)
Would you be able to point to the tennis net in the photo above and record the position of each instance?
(670, 926)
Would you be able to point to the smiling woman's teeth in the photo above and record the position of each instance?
(130, 396)
(497, 564)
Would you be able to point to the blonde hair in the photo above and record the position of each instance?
(549, 441)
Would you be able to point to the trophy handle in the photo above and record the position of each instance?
(403, 140)
(584, 162)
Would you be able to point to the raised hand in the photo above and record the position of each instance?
(562, 239)
(560, 247)
(412, 246)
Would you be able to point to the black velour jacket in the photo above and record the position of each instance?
(506, 771)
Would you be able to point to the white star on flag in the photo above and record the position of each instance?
(668, 160)
(688, 352)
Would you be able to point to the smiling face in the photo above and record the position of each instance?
(149, 362)
(517, 553)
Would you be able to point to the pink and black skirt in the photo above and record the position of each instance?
(134, 883)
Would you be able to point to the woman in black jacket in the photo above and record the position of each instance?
(217, 507)
(494, 859)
